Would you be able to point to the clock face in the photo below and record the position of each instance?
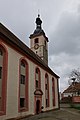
(36, 46)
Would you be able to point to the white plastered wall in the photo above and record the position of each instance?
(43, 72)
(13, 86)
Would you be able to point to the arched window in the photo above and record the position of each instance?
(3, 78)
(37, 78)
(36, 40)
(53, 92)
(47, 90)
(23, 94)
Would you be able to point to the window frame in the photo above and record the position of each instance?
(0, 72)
(37, 82)
(26, 105)
(53, 91)
(4, 78)
(46, 90)
(22, 80)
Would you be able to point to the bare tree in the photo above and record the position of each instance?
(74, 76)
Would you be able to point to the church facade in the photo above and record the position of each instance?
(27, 85)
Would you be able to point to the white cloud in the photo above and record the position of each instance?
(63, 64)
(66, 36)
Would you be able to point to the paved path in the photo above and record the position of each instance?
(62, 114)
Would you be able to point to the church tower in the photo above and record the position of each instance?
(39, 41)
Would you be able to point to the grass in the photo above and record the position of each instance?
(77, 108)
(74, 106)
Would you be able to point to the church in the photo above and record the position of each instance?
(28, 86)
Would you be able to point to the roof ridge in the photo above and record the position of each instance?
(15, 40)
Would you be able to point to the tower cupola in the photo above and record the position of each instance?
(38, 22)
(39, 41)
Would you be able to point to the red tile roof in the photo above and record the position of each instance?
(73, 88)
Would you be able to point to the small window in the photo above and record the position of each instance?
(36, 40)
(46, 86)
(1, 53)
(78, 92)
(36, 52)
(23, 64)
(37, 71)
(37, 84)
(22, 79)
(22, 102)
(46, 102)
(37, 78)
(0, 72)
(45, 43)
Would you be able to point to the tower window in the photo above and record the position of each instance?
(45, 43)
(36, 40)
